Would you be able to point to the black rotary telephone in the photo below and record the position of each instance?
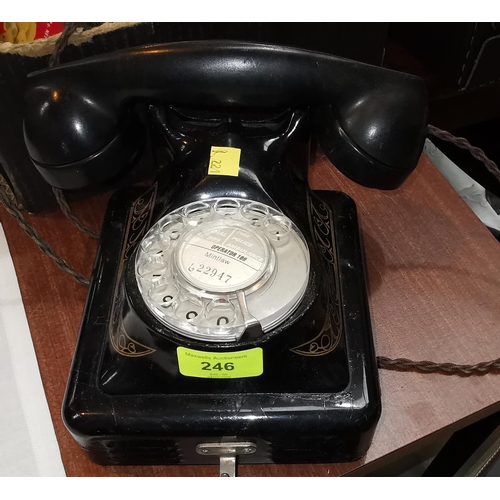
(227, 315)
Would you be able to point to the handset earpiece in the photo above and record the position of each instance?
(375, 135)
(377, 145)
(76, 137)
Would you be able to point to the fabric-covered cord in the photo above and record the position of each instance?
(12, 208)
(66, 210)
(62, 43)
(7, 199)
(403, 364)
(463, 143)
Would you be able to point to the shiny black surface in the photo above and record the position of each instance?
(273, 169)
(114, 402)
(75, 110)
(318, 398)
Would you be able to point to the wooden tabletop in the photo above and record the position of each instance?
(434, 292)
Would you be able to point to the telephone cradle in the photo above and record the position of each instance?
(227, 317)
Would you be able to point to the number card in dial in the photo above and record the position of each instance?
(201, 364)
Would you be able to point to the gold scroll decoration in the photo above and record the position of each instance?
(321, 223)
(138, 222)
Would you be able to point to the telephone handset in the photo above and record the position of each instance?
(371, 121)
(228, 311)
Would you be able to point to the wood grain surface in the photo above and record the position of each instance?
(434, 292)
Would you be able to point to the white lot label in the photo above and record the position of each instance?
(222, 258)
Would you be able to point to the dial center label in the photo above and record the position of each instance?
(221, 258)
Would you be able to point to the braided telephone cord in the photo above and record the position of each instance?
(484, 367)
(66, 210)
(463, 143)
(62, 42)
(8, 199)
(403, 364)
(12, 208)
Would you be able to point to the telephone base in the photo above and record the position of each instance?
(317, 400)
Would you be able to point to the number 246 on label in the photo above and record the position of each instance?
(203, 364)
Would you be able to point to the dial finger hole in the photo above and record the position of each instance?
(148, 242)
(196, 213)
(220, 313)
(158, 252)
(152, 271)
(164, 294)
(227, 207)
(278, 230)
(171, 229)
(189, 309)
(256, 213)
